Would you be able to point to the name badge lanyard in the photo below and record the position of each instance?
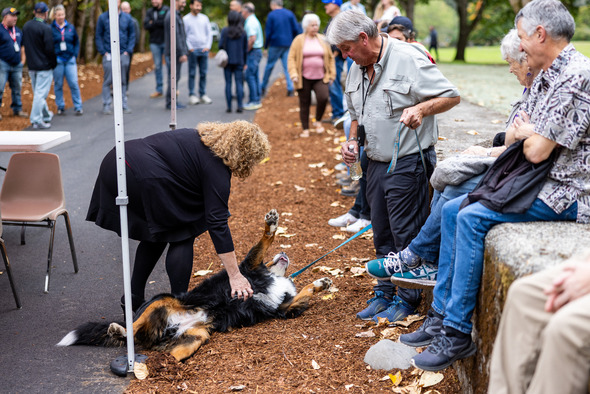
(13, 36)
(62, 44)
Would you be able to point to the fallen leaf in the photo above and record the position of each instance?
(472, 132)
(365, 334)
(430, 378)
(265, 160)
(287, 235)
(396, 379)
(316, 165)
(285, 246)
(299, 188)
(277, 183)
(348, 386)
(338, 236)
(326, 171)
(310, 245)
(442, 138)
(315, 365)
(459, 120)
(328, 297)
(333, 289)
(237, 388)
(140, 370)
(408, 320)
(358, 270)
(286, 214)
(202, 272)
(391, 333)
(496, 121)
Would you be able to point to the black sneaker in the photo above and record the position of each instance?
(425, 334)
(446, 348)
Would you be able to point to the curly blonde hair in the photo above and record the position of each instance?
(240, 144)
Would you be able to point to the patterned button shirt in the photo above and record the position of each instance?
(559, 107)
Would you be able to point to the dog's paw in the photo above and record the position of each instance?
(115, 330)
(322, 284)
(272, 220)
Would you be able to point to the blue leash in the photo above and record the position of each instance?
(293, 275)
(393, 162)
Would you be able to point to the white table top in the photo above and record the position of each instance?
(31, 141)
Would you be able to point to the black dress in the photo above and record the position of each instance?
(177, 189)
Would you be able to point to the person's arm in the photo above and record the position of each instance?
(99, 39)
(347, 156)
(130, 36)
(76, 44)
(573, 283)
(412, 116)
(291, 66)
(537, 148)
(148, 21)
(209, 35)
(240, 287)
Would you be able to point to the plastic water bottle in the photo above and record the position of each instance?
(356, 172)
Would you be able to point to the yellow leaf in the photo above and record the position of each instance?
(265, 160)
(328, 297)
(396, 379)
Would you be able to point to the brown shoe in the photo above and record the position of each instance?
(156, 95)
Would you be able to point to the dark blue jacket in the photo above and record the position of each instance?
(236, 48)
(126, 33)
(71, 39)
(7, 52)
(281, 28)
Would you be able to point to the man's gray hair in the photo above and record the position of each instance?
(249, 7)
(551, 14)
(278, 3)
(347, 25)
(307, 19)
(510, 47)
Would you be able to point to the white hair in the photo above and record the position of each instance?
(551, 14)
(510, 47)
(307, 19)
(348, 25)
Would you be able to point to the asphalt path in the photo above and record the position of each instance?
(29, 360)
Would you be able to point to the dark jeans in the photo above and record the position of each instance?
(336, 93)
(238, 73)
(399, 207)
(322, 91)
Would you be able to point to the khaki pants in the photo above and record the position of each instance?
(540, 352)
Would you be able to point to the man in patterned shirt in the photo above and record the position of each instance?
(558, 111)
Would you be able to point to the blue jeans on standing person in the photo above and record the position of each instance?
(69, 70)
(460, 264)
(107, 68)
(274, 54)
(252, 78)
(201, 59)
(157, 53)
(427, 242)
(238, 73)
(14, 76)
(41, 82)
(336, 93)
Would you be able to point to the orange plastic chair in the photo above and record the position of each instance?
(32, 195)
(8, 270)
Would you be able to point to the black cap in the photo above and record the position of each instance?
(404, 21)
(10, 10)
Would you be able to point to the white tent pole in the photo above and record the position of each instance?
(122, 198)
(173, 64)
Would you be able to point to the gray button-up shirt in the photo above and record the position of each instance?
(404, 77)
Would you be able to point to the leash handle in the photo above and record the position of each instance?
(395, 155)
(293, 275)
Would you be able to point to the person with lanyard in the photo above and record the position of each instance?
(12, 58)
(398, 134)
(67, 46)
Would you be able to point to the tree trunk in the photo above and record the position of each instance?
(142, 29)
(89, 51)
(408, 6)
(465, 28)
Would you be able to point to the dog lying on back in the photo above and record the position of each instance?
(181, 324)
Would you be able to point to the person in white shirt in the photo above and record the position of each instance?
(199, 39)
(353, 5)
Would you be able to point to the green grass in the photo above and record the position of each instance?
(492, 55)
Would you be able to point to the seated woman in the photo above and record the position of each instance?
(311, 66)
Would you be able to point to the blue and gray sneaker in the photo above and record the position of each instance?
(385, 267)
(398, 309)
(420, 277)
(445, 349)
(425, 334)
(376, 305)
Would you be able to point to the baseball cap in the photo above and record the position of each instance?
(10, 10)
(404, 21)
(41, 7)
(337, 2)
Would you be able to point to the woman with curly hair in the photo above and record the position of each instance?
(178, 184)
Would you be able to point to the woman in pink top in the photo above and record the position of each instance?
(311, 67)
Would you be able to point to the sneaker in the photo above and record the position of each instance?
(445, 349)
(290, 93)
(21, 114)
(61, 112)
(424, 335)
(41, 125)
(252, 106)
(240, 110)
(352, 190)
(127, 110)
(376, 304)
(107, 111)
(398, 309)
(423, 275)
(344, 181)
(340, 167)
(343, 220)
(339, 123)
(205, 99)
(49, 117)
(358, 226)
(156, 95)
(79, 112)
(386, 267)
(193, 100)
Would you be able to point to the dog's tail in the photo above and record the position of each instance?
(95, 334)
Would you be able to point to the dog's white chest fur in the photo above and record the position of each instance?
(185, 320)
(276, 292)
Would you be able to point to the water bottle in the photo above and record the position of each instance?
(356, 172)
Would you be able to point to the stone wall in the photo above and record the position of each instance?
(513, 250)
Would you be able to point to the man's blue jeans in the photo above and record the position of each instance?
(274, 54)
(69, 70)
(427, 242)
(460, 264)
(107, 68)
(201, 59)
(41, 82)
(336, 93)
(157, 53)
(14, 76)
(252, 78)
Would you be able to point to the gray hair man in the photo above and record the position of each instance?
(393, 92)
(558, 112)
